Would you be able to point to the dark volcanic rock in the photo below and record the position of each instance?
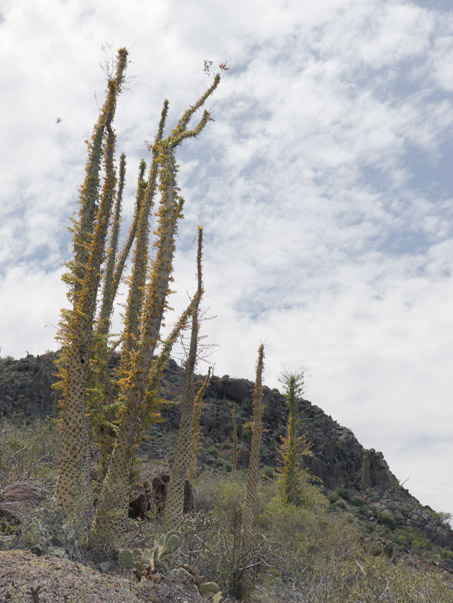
(26, 386)
(140, 501)
(159, 490)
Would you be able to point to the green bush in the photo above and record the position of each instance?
(267, 472)
(303, 553)
(344, 493)
(212, 538)
(387, 519)
(247, 430)
(28, 452)
(357, 502)
(332, 496)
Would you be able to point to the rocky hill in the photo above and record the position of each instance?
(357, 480)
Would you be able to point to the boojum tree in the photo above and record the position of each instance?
(253, 474)
(173, 513)
(234, 460)
(293, 447)
(84, 276)
(139, 235)
(196, 428)
(137, 360)
(80, 333)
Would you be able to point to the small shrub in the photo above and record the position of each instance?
(333, 496)
(28, 452)
(267, 472)
(344, 493)
(247, 430)
(357, 502)
(387, 519)
(213, 451)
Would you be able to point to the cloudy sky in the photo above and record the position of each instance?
(324, 185)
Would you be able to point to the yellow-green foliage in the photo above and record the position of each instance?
(87, 393)
(293, 447)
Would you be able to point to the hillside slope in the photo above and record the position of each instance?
(356, 480)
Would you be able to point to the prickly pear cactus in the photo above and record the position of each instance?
(147, 561)
(126, 558)
(212, 590)
(172, 543)
(167, 545)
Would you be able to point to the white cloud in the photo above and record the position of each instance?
(30, 304)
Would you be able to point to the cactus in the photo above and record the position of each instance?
(147, 561)
(126, 559)
(211, 590)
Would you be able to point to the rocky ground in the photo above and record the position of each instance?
(25, 578)
(35, 566)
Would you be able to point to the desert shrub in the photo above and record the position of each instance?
(247, 430)
(332, 496)
(28, 452)
(314, 574)
(212, 537)
(408, 539)
(213, 451)
(375, 579)
(387, 519)
(357, 501)
(267, 472)
(287, 542)
(344, 493)
(6, 361)
(209, 485)
(310, 538)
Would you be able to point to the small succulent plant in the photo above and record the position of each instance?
(211, 590)
(151, 561)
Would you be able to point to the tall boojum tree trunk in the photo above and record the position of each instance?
(76, 328)
(173, 513)
(253, 475)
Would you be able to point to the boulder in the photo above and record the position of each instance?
(159, 492)
(140, 501)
